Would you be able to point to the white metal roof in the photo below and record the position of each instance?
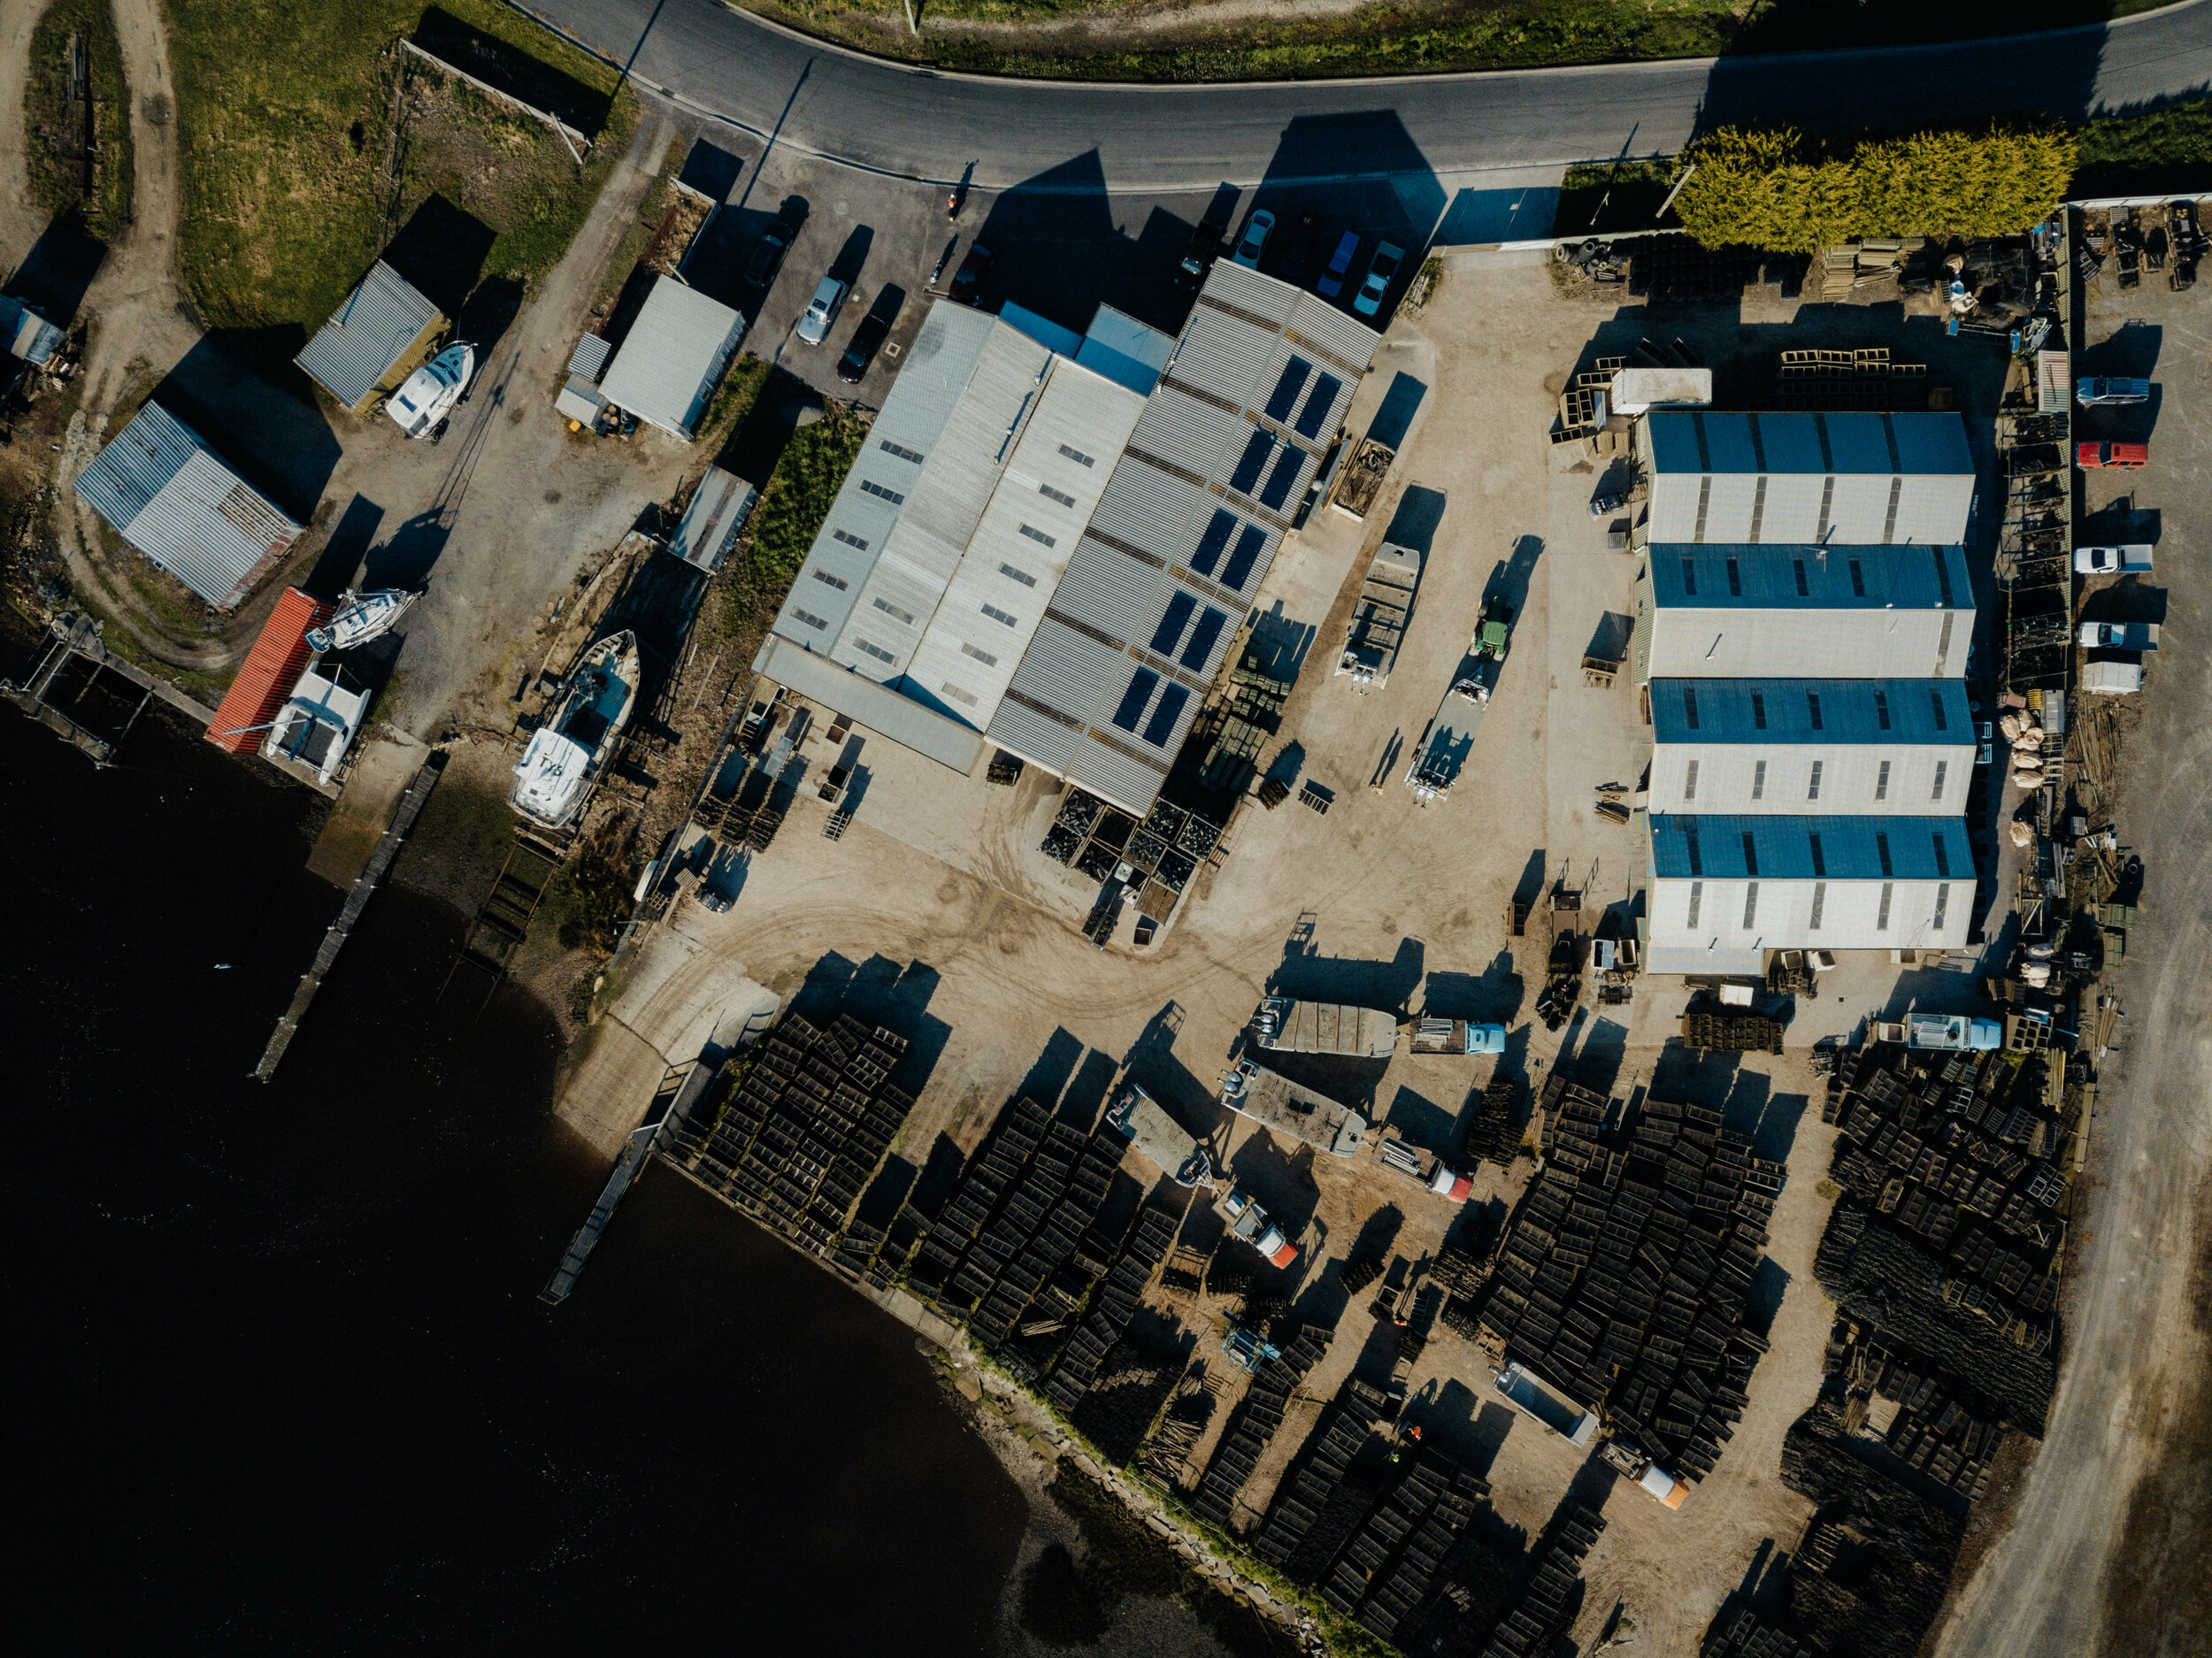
(672, 358)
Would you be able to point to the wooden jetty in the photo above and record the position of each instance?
(378, 866)
(77, 640)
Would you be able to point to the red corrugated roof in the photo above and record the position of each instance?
(272, 668)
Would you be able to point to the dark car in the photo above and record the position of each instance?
(1290, 262)
(768, 258)
(967, 281)
(1205, 247)
(866, 341)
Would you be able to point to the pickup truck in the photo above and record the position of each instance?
(1325, 1027)
(2134, 556)
(2131, 455)
(2120, 635)
(1205, 247)
(1416, 1163)
(2091, 391)
(1456, 1036)
(1942, 1031)
(1249, 1222)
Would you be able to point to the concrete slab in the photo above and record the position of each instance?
(380, 775)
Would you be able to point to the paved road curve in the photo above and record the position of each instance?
(1160, 139)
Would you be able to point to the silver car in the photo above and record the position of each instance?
(821, 311)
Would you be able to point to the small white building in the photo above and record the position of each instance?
(1849, 748)
(670, 362)
(1723, 890)
(1869, 479)
(1738, 612)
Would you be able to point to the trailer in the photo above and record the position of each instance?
(1415, 1163)
(1359, 486)
(1528, 1393)
(1378, 626)
(1164, 1141)
(1290, 1108)
(1325, 1027)
(1455, 1036)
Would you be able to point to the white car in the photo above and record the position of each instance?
(2112, 561)
(1255, 229)
(1376, 282)
(821, 311)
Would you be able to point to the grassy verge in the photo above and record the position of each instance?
(286, 112)
(2136, 154)
(1074, 40)
(1611, 196)
(633, 241)
(54, 127)
(792, 508)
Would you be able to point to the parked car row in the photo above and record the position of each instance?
(1292, 263)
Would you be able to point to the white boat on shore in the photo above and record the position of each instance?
(361, 616)
(433, 391)
(557, 772)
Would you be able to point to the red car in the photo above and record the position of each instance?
(2128, 454)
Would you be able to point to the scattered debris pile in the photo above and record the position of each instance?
(1295, 1349)
(1297, 1539)
(1740, 1634)
(1392, 1562)
(1554, 1594)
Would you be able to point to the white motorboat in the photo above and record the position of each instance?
(432, 391)
(566, 754)
(361, 616)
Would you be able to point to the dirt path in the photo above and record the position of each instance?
(140, 323)
(20, 221)
(1114, 24)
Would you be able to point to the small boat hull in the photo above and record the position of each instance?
(361, 616)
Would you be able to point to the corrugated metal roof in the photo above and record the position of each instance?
(717, 513)
(590, 358)
(1907, 779)
(1687, 845)
(878, 707)
(1767, 577)
(25, 335)
(1871, 479)
(1683, 642)
(365, 337)
(673, 356)
(271, 668)
(166, 494)
(580, 400)
(1782, 711)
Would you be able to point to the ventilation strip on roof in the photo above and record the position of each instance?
(1889, 523)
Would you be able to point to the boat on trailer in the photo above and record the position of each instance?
(567, 755)
(433, 391)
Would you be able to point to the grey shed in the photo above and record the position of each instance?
(167, 494)
(369, 338)
(673, 356)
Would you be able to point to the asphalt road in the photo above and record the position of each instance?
(838, 105)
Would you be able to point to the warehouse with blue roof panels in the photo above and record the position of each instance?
(1726, 888)
(1871, 479)
(1849, 747)
(1741, 612)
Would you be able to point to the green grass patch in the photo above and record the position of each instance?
(2158, 151)
(286, 113)
(632, 245)
(1611, 196)
(792, 507)
(55, 127)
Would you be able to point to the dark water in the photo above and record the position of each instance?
(279, 1380)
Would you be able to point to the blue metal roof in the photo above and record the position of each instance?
(1933, 712)
(1765, 578)
(1706, 440)
(1688, 846)
(353, 352)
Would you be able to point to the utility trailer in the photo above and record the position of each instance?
(1160, 1137)
(1530, 1393)
(1415, 1163)
(1290, 1108)
(1359, 486)
(1325, 1027)
(1379, 621)
(1455, 1036)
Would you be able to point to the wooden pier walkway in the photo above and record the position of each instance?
(80, 636)
(380, 863)
(679, 1090)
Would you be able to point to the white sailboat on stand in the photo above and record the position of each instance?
(433, 391)
(361, 616)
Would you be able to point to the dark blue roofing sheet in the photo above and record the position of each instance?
(1687, 846)
(1918, 712)
(1708, 441)
(1768, 577)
